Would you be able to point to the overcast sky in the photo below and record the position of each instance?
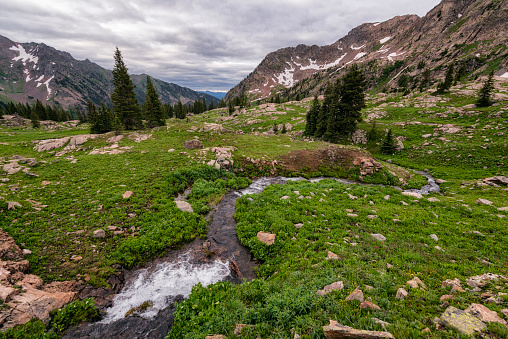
(204, 45)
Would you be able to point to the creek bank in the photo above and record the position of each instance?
(166, 280)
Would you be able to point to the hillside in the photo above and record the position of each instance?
(468, 33)
(83, 210)
(30, 71)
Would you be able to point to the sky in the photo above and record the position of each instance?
(203, 45)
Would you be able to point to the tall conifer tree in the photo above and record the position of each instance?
(125, 104)
(152, 106)
(312, 115)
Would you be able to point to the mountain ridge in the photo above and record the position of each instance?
(31, 71)
(446, 33)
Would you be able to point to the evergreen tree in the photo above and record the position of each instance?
(93, 118)
(312, 116)
(222, 104)
(484, 92)
(35, 119)
(388, 146)
(445, 86)
(348, 99)
(275, 129)
(211, 106)
(425, 80)
(40, 111)
(152, 106)
(373, 134)
(231, 108)
(125, 104)
(322, 118)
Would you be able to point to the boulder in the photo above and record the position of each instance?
(8, 248)
(434, 237)
(266, 238)
(452, 283)
(336, 331)
(482, 280)
(332, 256)
(184, 206)
(462, 321)
(379, 237)
(193, 144)
(50, 144)
(369, 305)
(100, 233)
(12, 168)
(416, 282)
(401, 294)
(357, 294)
(6, 292)
(412, 194)
(336, 286)
(127, 194)
(367, 165)
(484, 202)
(496, 181)
(484, 314)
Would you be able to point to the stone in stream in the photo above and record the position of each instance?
(336, 331)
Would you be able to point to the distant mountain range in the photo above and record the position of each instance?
(31, 71)
(472, 34)
(218, 95)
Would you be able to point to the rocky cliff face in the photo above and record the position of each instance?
(31, 71)
(467, 31)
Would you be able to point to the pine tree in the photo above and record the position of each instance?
(35, 119)
(373, 134)
(312, 116)
(152, 106)
(40, 111)
(93, 118)
(211, 106)
(445, 86)
(125, 104)
(388, 146)
(346, 102)
(231, 109)
(284, 129)
(425, 80)
(322, 118)
(484, 92)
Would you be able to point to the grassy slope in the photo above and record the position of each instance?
(88, 195)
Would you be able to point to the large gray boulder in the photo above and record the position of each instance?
(193, 144)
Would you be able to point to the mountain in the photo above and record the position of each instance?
(30, 71)
(469, 33)
(218, 95)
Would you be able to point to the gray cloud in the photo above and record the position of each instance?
(194, 43)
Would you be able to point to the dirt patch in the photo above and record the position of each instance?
(312, 160)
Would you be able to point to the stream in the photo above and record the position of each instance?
(150, 292)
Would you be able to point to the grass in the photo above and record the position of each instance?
(85, 196)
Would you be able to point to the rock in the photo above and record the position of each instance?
(452, 283)
(352, 197)
(426, 136)
(30, 174)
(369, 305)
(12, 168)
(401, 293)
(432, 199)
(337, 331)
(352, 215)
(332, 256)
(446, 297)
(379, 237)
(171, 150)
(388, 266)
(482, 280)
(416, 282)
(439, 248)
(387, 197)
(239, 328)
(50, 144)
(504, 209)
(336, 286)
(484, 202)
(76, 258)
(44, 182)
(413, 194)
(284, 197)
(6, 292)
(32, 281)
(505, 312)
(266, 238)
(399, 145)
(216, 336)
(380, 322)
(496, 181)
(100, 233)
(298, 226)
(371, 216)
(484, 314)
(115, 139)
(127, 194)
(26, 251)
(367, 165)
(8, 248)
(434, 237)
(440, 181)
(184, 206)
(11, 205)
(357, 294)
(462, 321)
(193, 144)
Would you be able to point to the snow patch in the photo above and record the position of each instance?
(28, 78)
(394, 54)
(357, 48)
(47, 86)
(385, 39)
(315, 66)
(460, 15)
(359, 55)
(377, 23)
(286, 77)
(505, 75)
(23, 55)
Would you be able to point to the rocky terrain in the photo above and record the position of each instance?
(467, 33)
(31, 71)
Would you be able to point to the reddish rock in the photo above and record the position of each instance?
(127, 194)
(401, 294)
(266, 238)
(336, 286)
(369, 305)
(31, 281)
(8, 248)
(357, 294)
(446, 297)
(338, 331)
(332, 256)
(484, 314)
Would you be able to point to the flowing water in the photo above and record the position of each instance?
(171, 278)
